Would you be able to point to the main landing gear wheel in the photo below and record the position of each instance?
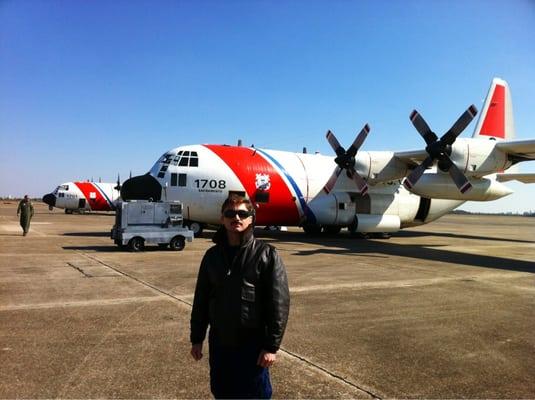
(196, 227)
(136, 244)
(312, 229)
(177, 243)
(331, 229)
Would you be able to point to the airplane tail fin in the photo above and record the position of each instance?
(496, 118)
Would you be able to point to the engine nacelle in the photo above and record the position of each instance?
(441, 186)
(379, 166)
(376, 223)
(478, 156)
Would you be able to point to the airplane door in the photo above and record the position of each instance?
(81, 203)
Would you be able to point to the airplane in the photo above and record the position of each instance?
(367, 192)
(83, 196)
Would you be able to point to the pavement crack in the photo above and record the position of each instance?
(141, 281)
(331, 374)
(85, 274)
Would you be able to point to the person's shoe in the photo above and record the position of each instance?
(25, 233)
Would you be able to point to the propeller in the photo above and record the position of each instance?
(440, 149)
(345, 160)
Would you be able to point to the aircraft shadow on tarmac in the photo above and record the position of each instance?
(87, 234)
(346, 244)
(114, 249)
(458, 236)
(104, 249)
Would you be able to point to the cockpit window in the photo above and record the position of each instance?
(63, 187)
(186, 159)
(194, 160)
(167, 158)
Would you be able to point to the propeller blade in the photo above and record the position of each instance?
(361, 137)
(422, 127)
(413, 177)
(460, 180)
(459, 126)
(335, 144)
(362, 186)
(332, 180)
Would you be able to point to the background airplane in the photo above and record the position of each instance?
(364, 191)
(83, 196)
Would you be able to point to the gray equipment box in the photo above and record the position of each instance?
(140, 222)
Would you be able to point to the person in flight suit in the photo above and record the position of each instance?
(242, 294)
(25, 210)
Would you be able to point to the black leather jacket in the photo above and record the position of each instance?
(243, 299)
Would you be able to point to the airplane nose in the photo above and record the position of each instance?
(49, 199)
(143, 187)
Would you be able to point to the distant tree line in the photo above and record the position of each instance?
(507, 213)
(14, 198)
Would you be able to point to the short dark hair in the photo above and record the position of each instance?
(235, 200)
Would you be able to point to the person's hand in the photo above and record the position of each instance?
(196, 351)
(266, 359)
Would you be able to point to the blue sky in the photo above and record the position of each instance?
(96, 88)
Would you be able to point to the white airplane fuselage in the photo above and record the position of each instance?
(317, 191)
(83, 196)
(288, 188)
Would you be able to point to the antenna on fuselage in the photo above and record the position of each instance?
(118, 186)
(239, 142)
(304, 150)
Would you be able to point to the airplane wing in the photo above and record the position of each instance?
(523, 149)
(524, 178)
(411, 158)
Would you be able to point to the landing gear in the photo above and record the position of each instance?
(325, 229)
(67, 211)
(312, 229)
(196, 227)
(331, 229)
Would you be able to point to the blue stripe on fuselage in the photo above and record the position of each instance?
(311, 218)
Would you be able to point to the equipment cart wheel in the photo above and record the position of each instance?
(136, 244)
(177, 243)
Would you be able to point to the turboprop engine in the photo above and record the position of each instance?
(440, 186)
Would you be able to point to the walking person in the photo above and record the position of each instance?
(242, 294)
(25, 210)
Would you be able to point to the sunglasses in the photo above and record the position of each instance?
(240, 213)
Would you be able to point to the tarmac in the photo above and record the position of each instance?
(446, 310)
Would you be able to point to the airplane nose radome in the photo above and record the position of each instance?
(49, 199)
(143, 187)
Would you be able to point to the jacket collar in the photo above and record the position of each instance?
(220, 237)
